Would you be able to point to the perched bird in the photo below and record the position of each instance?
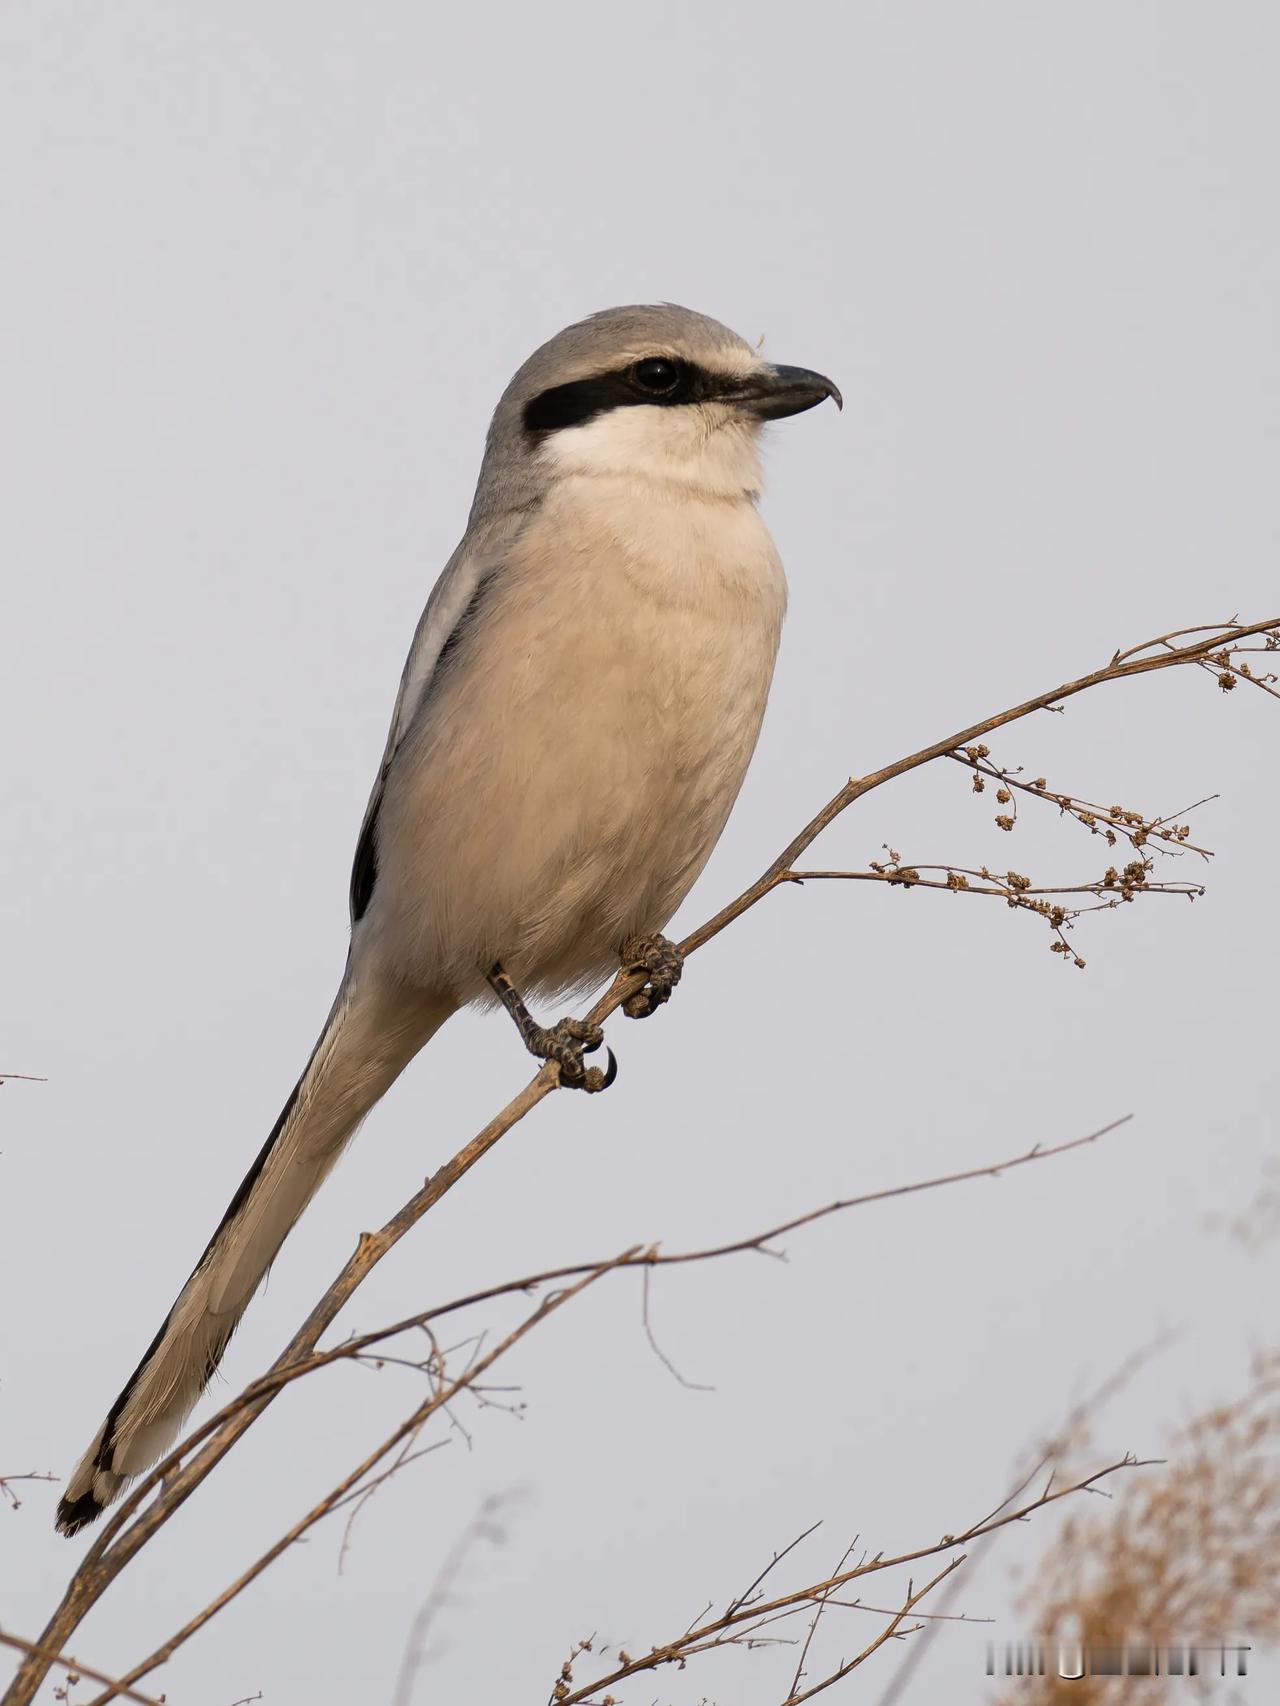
(580, 703)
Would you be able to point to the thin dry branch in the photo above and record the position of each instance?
(122, 1537)
(1226, 666)
(131, 1527)
(485, 1527)
(647, 1258)
(6, 1485)
(1114, 823)
(749, 1596)
(1145, 659)
(351, 1484)
(1049, 901)
(1069, 1438)
(76, 1668)
(736, 1626)
(892, 1630)
(367, 1476)
(824, 1601)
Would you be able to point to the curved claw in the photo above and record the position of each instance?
(563, 1044)
(593, 1079)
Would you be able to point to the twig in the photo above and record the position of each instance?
(32, 1650)
(649, 1257)
(6, 1485)
(891, 1631)
(823, 1601)
(484, 1527)
(746, 1598)
(351, 1482)
(1139, 660)
(721, 1629)
(896, 1688)
(656, 1348)
(583, 1274)
(1112, 822)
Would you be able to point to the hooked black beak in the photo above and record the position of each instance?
(777, 392)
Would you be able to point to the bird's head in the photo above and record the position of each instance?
(653, 393)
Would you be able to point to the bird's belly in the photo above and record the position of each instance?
(574, 775)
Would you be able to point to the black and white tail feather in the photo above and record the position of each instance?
(368, 1039)
(373, 1031)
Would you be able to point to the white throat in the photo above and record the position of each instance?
(706, 447)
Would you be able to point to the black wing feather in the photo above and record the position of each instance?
(364, 869)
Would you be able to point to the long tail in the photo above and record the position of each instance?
(369, 1038)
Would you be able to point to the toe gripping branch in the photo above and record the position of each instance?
(566, 1043)
(663, 965)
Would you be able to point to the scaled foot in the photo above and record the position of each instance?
(661, 962)
(566, 1043)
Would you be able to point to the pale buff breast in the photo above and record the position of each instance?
(587, 745)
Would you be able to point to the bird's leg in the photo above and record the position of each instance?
(565, 1043)
(662, 962)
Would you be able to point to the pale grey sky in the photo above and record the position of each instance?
(268, 267)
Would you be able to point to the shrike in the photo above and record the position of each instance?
(578, 710)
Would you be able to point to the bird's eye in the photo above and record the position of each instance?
(655, 376)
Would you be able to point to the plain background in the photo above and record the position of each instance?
(267, 269)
